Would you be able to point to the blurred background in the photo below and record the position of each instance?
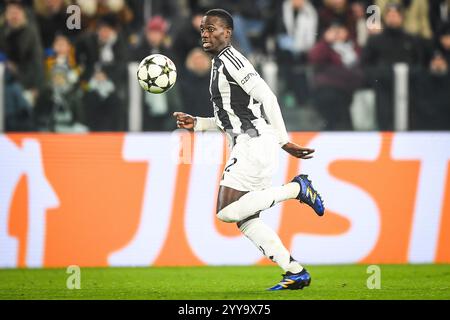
(334, 64)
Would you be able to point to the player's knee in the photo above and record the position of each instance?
(227, 214)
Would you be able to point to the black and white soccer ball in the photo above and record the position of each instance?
(156, 73)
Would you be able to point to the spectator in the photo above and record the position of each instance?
(187, 37)
(121, 10)
(336, 76)
(416, 16)
(94, 11)
(60, 106)
(444, 41)
(439, 14)
(296, 31)
(379, 53)
(28, 4)
(337, 10)
(157, 108)
(22, 47)
(105, 49)
(431, 111)
(102, 104)
(51, 17)
(378, 58)
(134, 27)
(171, 10)
(248, 17)
(197, 5)
(194, 85)
(295, 35)
(155, 40)
(18, 112)
(318, 4)
(102, 56)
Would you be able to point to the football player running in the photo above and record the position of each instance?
(247, 111)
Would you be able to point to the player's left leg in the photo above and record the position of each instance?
(269, 243)
(251, 165)
(266, 240)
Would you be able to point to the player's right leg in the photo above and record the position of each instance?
(267, 241)
(248, 173)
(250, 202)
(309, 195)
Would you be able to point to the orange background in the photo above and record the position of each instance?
(100, 197)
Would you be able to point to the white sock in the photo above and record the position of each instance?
(255, 201)
(266, 240)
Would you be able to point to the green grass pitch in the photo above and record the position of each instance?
(221, 283)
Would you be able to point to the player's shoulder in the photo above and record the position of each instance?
(232, 57)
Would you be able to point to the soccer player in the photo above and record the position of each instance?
(247, 111)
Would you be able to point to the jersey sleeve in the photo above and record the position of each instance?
(240, 69)
(205, 124)
(264, 95)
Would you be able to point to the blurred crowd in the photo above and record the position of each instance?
(66, 66)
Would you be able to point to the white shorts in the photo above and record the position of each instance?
(252, 163)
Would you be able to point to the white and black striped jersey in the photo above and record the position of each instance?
(232, 79)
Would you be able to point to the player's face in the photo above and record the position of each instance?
(215, 35)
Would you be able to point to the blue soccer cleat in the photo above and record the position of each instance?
(293, 281)
(308, 195)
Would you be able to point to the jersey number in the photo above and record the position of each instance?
(227, 168)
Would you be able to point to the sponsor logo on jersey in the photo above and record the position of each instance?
(247, 77)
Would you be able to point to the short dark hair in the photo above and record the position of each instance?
(222, 14)
(394, 6)
(18, 3)
(109, 20)
(444, 29)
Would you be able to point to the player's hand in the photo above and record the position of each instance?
(184, 120)
(297, 151)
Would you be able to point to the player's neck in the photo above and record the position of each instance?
(219, 51)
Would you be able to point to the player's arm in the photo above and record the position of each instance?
(186, 121)
(249, 80)
(263, 94)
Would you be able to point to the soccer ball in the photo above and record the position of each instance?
(156, 73)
